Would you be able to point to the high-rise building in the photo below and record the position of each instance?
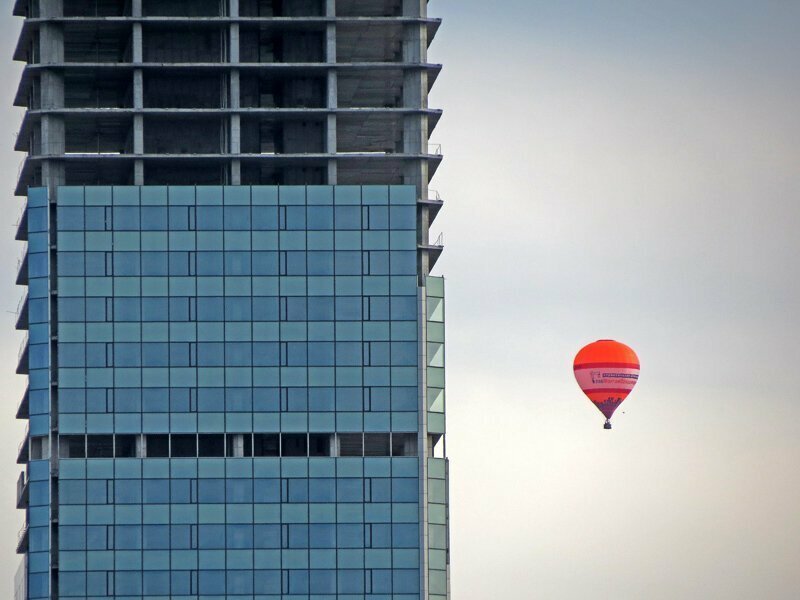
(235, 350)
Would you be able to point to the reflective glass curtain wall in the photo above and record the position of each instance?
(237, 395)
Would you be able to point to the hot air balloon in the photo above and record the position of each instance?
(606, 371)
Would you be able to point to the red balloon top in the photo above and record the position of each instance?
(607, 352)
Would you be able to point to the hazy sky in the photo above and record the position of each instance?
(614, 169)
(625, 170)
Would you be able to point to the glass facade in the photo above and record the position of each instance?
(235, 392)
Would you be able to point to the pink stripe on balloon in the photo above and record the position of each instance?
(602, 379)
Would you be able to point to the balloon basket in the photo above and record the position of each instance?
(607, 425)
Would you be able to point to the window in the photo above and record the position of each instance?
(239, 444)
(294, 444)
(348, 217)
(265, 263)
(154, 264)
(128, 492)
(265, 309)
(404, 444)
(376, 444)
(155, 309)
(348, 354)
(210, 309)
(320, 263)
(72, 446)
(158, 446)
(348, 263)
(211, 490)
(100, 446)
(236, 400)
(350, 535)
(237, 217)
(155, 491)
(319, 444)
(267, 490)
(211, 445)
(209, 218)
(178, 218)
(319, 217)
(211, 536)
(154, 218)
(265, 218)
(72, 309)
(125, 446)
(127, 264)
(239, 490)
(266, 444)
(210, 263)
(349, 490)
(126, 218)
(238, 309)
(351, 444)
(237, 263)
(127, 355)
(179, 264)
(184, 446)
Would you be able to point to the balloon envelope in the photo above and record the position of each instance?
(606, 371)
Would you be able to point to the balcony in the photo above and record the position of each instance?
(23, 454)
(433, 250)
(434, 203)
(22, 540)
(22, 491)
(23, 410)
(22, 225)
(22, 313)
(23, 361)
(22, 269)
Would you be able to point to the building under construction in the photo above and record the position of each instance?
(235, 350)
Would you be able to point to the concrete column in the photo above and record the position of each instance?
(138, 172)
(52, 90)
(415, 131)
(141, 446)
(234, 43)
(415, 8)
(52, 135)
(53, 142)
(415, 96)
(238, 445)
(234, 96)
(331, 145)
(332, 447)
(51, 43)
(138, 44)
(138, 89)
(138, 126)
(138, 149)
(138, 95)
(53, 174)
(235, 149)
(51, 8)
(415, 126)
(235, 128)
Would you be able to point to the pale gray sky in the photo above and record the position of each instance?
(624, 169)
